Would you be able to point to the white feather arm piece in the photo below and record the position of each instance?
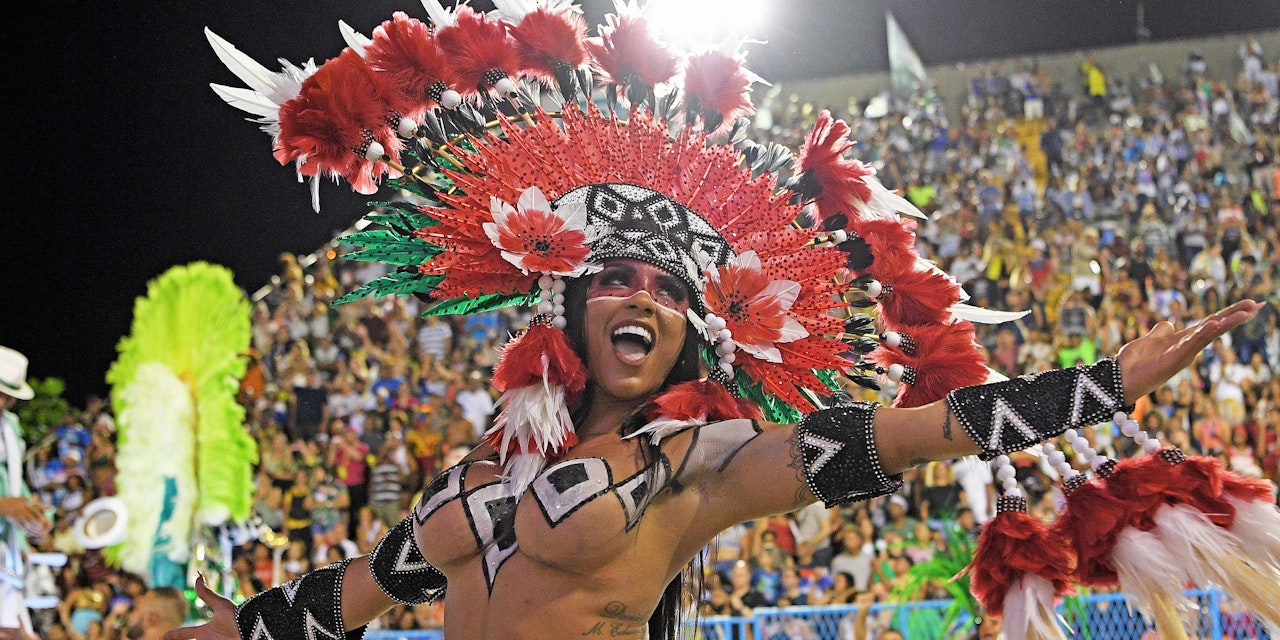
(440, 17)
(1257, 524)
(1149, 573)
(1029, 612)
(247, 100)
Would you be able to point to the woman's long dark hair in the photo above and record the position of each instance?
(666, 618)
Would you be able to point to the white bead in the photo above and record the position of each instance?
(1098, 462)
(1048, 447)
(1057, 457)
(1152, 446)
(727, 347)
(1129, 428)
(544, 294)
(1070, 434)
(1089, 454)
(557, 298)
(450, 99)
(557, 285)
(1119, 417)
(727, 367)
(1010, 484)
(895, 372)
(729, 358)
(557, 309)
(1140, 437)
(545, 307)
(1005, 472)
(1001, 460)
(716, 323)
(1012, 492)
(558, 322)
(506, 86)
(892, 338)
(407, 128)
(874, 288)
(546, 282)
(724, 335)
(375, 151)
(839, 235)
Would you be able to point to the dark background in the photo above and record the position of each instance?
(124, 163)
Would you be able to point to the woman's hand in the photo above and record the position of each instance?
(1149, 361)
(223, 624)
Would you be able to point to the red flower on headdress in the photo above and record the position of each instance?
(755, 308)
(533, 237)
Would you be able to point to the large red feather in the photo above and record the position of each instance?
(704, 399)
(547, 38)
(919, 296)
(945, 358)
(406, 53)
(892, 244)
(1091, 522)
(842, 179)
(718, 81)
(341, 103)
(1014, 544)
(627, 48)
(476, 46)
(520, 361)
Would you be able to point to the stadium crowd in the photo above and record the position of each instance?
(1101, 208)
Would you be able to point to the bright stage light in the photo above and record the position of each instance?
(691, 23)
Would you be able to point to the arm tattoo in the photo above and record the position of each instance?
(946, 423)
(797, 463)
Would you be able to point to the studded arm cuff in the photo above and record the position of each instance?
(1012, 415)
(841, 463)
(308, 608)
(400, 569)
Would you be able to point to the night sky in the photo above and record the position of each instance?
(127, 164)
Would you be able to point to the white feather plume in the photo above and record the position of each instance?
(440, 17)
(664, 426)
(354, 39)
(158, 415)
(1257, 524)
(1148, 571)
(271, 87)
(521, 470)
(963, 311)
(1029, 612)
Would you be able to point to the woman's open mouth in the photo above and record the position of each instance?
(632, 343)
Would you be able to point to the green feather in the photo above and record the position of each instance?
(195, 320)
(395, 283)
(382, 245)
(465, 306)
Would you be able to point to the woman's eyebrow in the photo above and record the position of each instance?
(619, 269)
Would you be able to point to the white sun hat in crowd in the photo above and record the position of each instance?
(13, 375)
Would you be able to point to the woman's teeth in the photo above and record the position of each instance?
(632, 343)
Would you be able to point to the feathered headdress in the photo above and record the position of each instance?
(526, 194)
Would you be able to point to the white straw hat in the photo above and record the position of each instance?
(13, 375)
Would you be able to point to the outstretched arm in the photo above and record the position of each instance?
(774, 468)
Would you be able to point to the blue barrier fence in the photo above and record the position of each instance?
(1092, 617)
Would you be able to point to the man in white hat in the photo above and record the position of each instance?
(20, 514)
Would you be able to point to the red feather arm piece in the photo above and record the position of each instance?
(705, 400)
(1014, 544)
(547, 38)
(406, 53)
(892, 245)
(628, 50)
(520, 361)
(919, 297)
(944, 358)
(822, 160)
(341, 104)
(1091, 522)
(719, 82)
(479, 51)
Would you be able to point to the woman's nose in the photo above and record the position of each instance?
(641, 300)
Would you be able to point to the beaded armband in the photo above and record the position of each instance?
(308, 608)
(1012, 415)
(400, 570)
(841, 463)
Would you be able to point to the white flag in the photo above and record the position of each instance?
(906, 72)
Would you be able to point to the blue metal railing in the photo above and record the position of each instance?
(1100, 616)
